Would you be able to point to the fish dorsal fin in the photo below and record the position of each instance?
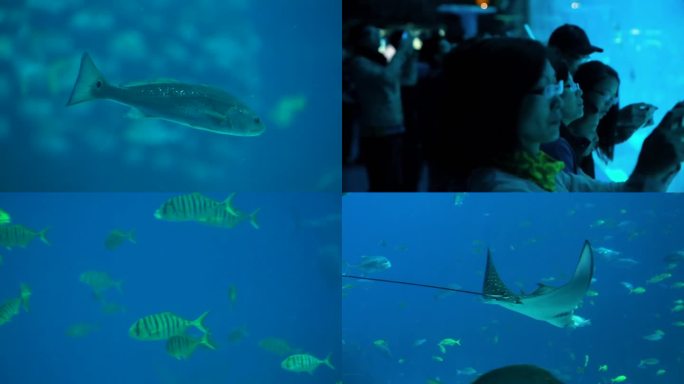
(493, 287)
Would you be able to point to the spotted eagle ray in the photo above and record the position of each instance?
(555, 305)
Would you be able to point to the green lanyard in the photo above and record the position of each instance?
(541, 169)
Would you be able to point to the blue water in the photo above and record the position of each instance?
(286, 276)
(267, 53)
(430, 240)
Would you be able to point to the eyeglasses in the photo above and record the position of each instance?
(550, 91)
(572, 87)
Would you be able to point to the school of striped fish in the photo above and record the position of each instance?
(174, 329)
(182, 336)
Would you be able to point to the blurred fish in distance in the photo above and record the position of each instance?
(117, 237)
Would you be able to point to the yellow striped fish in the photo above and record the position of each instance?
(182, 346)
(13, 235)
(11, 307)
(192, 207)
(304, 363)
(162, 326)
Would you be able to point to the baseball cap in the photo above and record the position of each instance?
(571, 39)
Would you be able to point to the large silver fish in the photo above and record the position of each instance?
(197, 106)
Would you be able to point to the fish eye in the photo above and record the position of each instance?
(98, 84)
(257, 120)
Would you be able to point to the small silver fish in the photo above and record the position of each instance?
(371, 264)
(197, 106)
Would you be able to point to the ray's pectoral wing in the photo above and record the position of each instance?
(556, 305)
(493, 287)
(584, 272)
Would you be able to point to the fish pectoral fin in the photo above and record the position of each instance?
(217, 115)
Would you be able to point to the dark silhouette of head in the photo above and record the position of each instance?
(518, 374)
(485, 82)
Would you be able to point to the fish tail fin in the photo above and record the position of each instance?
(327, 361)
(199, 322)
(253, 218)
(42, 237)
(88, 77)
(131, 236)
(228, 202)
(25, 296)
(118, 286)
(207, 341)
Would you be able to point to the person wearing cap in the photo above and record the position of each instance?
(572, 43)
